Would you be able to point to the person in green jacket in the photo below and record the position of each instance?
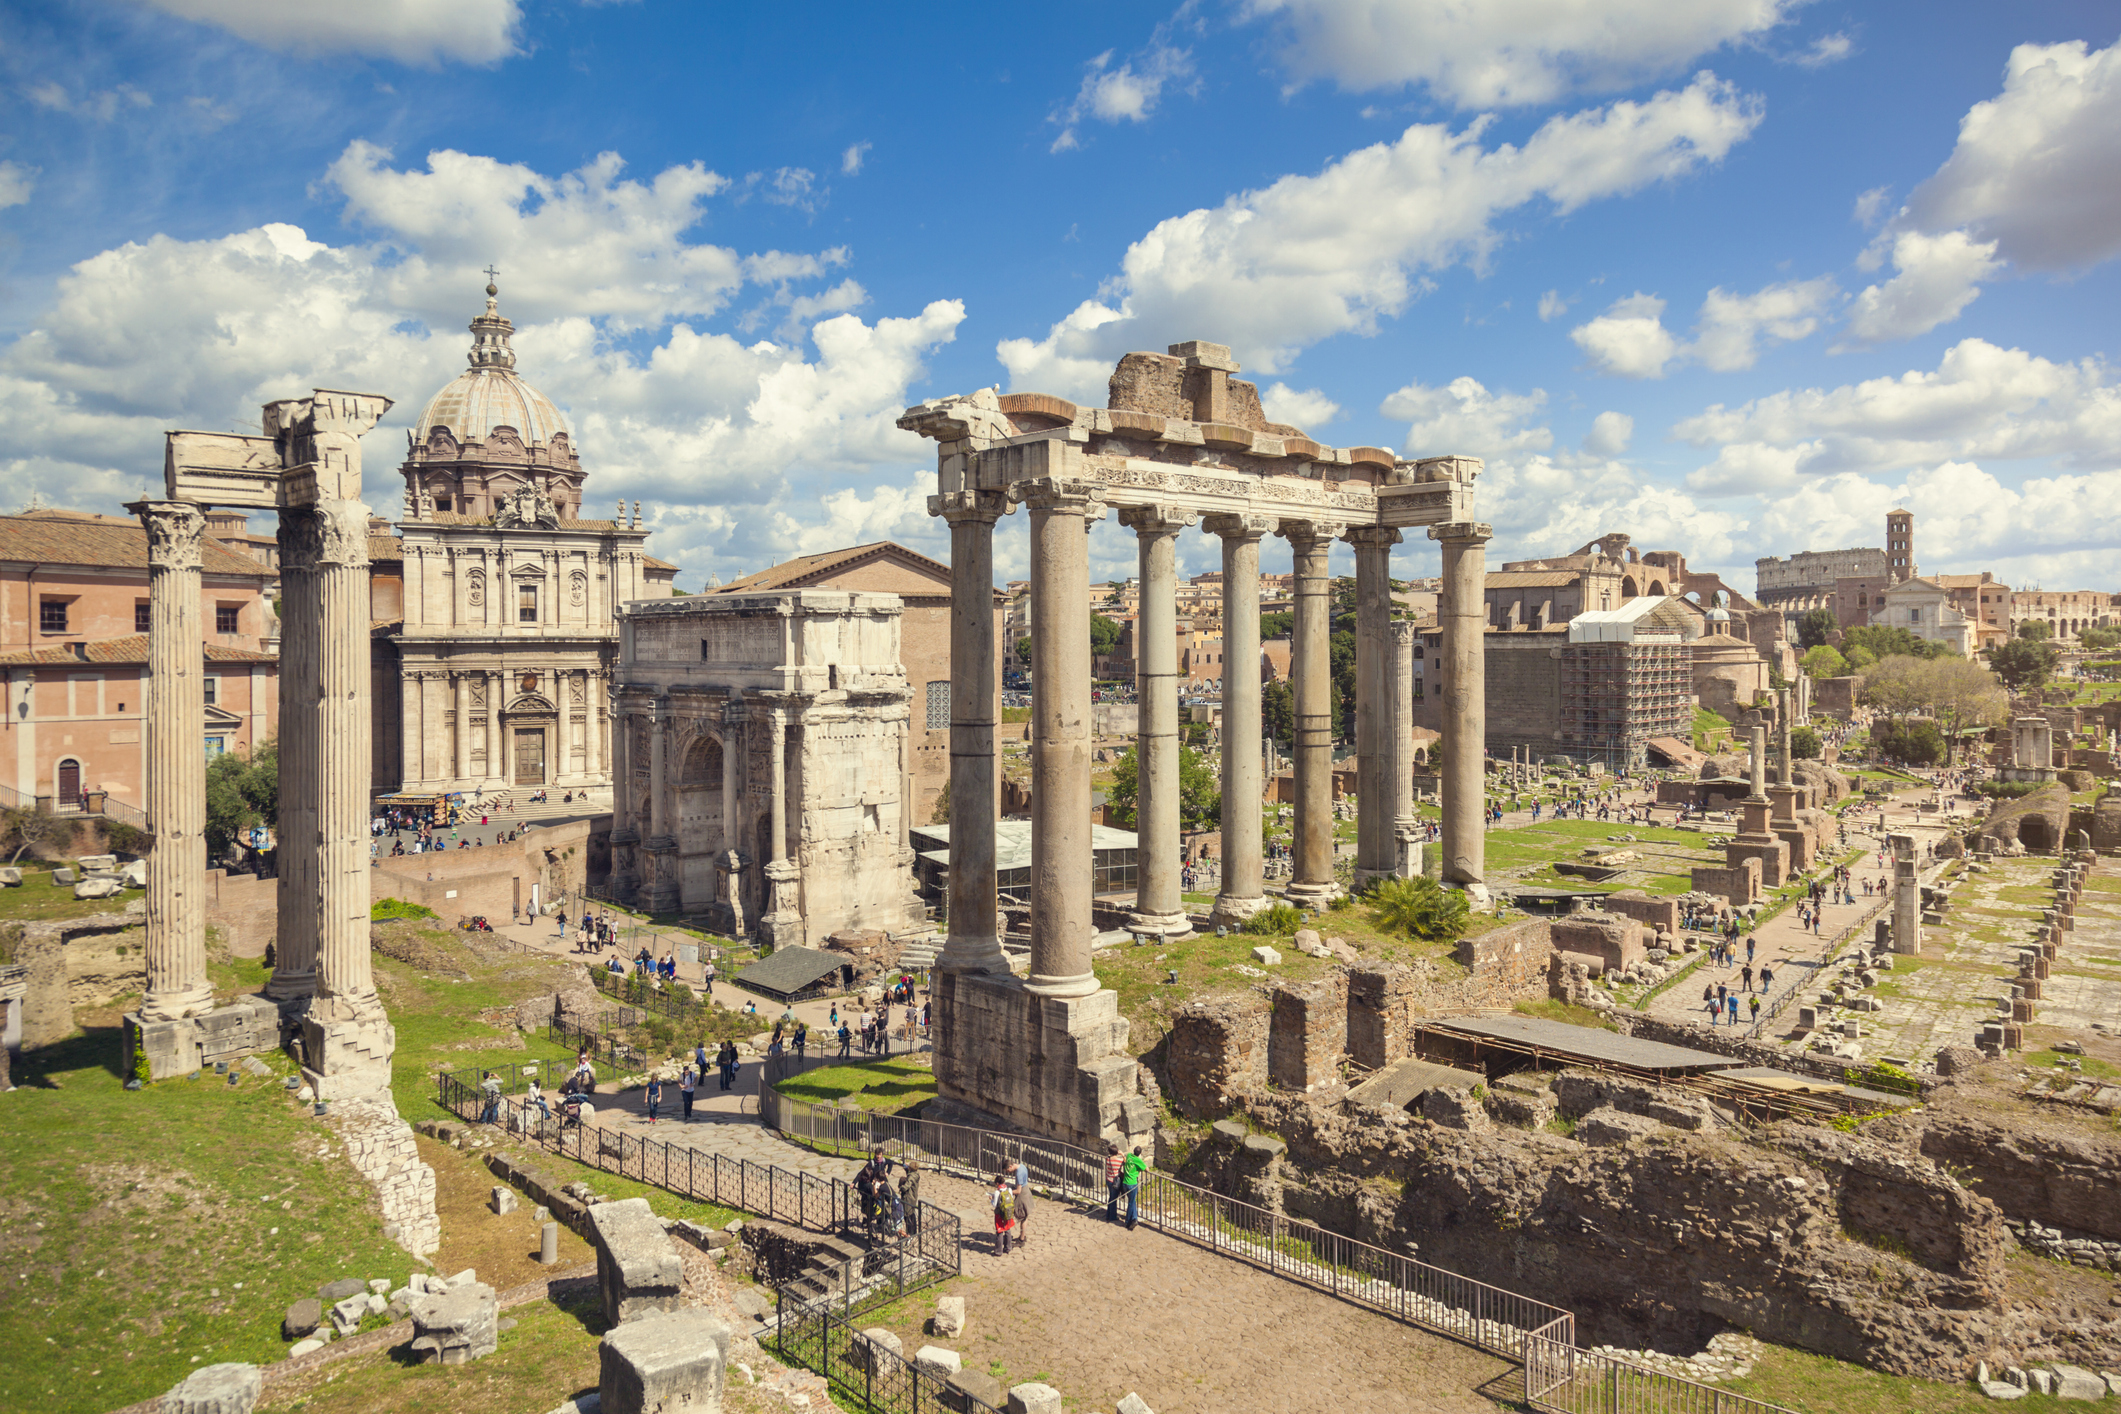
(1130, 1179)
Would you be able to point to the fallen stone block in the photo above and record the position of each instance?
(1134, 1404)
(463, 1278)
(61, 878)
(2076, 1382)
(971, 1392)
(347, 1314)
(99, 886)
(937, 1363)
(1997, 1389)
(458, 1326)
(302, 1318)
(1605, 1127)
(503, 1200)
(1265, 956)
(98, 863)
(10, 877)
(133, 874)
(664, 1362)
(305, 1347)
(866, 1351)
(638, 1267)
(216, 1389)
(949, 1316)
(1034, 1399)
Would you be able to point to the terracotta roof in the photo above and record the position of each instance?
(793, 573)
(132, 648)
(386, 548)
(57, 537)
(1532, 579)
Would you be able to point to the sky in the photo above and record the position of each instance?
(1732, 276)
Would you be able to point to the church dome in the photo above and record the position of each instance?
(490, 393)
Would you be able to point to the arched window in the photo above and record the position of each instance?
(703, 764)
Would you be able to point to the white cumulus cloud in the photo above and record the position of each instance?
(1299, 407)
(1610, 434)
(1505, 52)
(1981, 402)
(1464, 417)
(717, 435)
(1629, 340)
(1552, 306)
(2034, 168)
(1127, 92)
(1934, 278)
(851, 160)
(16, 183)
(1272, 271)
(411, 31)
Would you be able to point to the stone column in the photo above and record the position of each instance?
(783, 921)
(1461, 610)
(1159, 908)
(294, 973)
(462, 730)
(176, 773)
(1907, 895)
(1406, 822)
(973, 945)
(1244, 787)
(658, 845)
(1759, 764)
(496, 688)
(348, 1039)
(1376, 726)
(593, 700)
(1313, 883)
(1062, 511)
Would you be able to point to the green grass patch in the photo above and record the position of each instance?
(384, 908)
(1552, 1010)
(1815, 1384)
(2091, 1066)
(37, 899)
(886, 1086)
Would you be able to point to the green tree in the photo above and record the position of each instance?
(1815, 627)
(1104, 635)
(24, 828)
(1280, 624)
(2023, 663)
(941, 814)
(1885, 640)
(1126, 788)
(1023, 650)
(2101, 639)
(1277, 710)
(1341, 650)
(1963, 694)
(1805, 744)
(1918, 743)
(241, 792)
(1824, 662)
(1859, 657)
(1200, 800)
(2038, 630)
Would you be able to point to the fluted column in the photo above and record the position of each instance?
(176, 771)
(1462, 611)
(1242, 893)
(496, 754)
(1406, 822)
(1313, 882)
(973, 944)
(1374, 721)
(1158, 908)
(346, 988)
(593, 699)
(294, 973)
(1062, 511)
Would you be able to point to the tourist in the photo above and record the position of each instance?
(897, 1217)
(537, 1097)
(1114, 1166)
(1746, 974)
(729, 1065)
(1731, 1006)
(1754, 1003)
(699, 1056)
(492, 1110)
(655, 1096)
(1022, 1192)
(709, 982)
(1004, 1204)
(686, 1084)
(909, 1189)
(1767, 978)
(1131, 1179)
(846, 1040)
(1749, 949)
(802, 1040)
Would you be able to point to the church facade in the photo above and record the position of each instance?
(495, 605)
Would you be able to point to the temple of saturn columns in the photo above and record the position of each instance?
(1181, 443)
(307, 468)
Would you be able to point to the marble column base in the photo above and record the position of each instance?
(178, 1005)
(1055, 1066)
(1313, 896)
(175, 1048)
(1172, 926)
(1475, 891)
(348, 1058)
(1232, 912)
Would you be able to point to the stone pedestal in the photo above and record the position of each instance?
(783, 923)
(1907, 896)
(1243, 773)
(178, 1046)
(1054, 1065)
(664, 1364)
(639, 1272)
(728, 914)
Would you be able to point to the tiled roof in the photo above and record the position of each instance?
(793, 573)
(131, 648)
(57, 537)
(1531, 579)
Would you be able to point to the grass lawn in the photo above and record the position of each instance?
(1552, 1010)
(886, 1086)
(1815, 1384)
(37, 899)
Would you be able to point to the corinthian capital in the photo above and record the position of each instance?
(1065, 495)
(342, 533)
(1240, 527)
(962, 506)
(174, 532)
(1463, 532)
(1302, 533)
(1157, 520)
(1380, 535)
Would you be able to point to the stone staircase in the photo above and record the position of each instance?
(919, 954)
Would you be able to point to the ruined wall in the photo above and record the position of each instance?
(1655, 914)
(245, 908)
(2032, 824)
(1667, 1239)
(1380, 1014)
(1511, 956)
(1214, 1051)
(2056, 1174)
(1617, 941)
(1740, 883)
(1308, 1032)
(47, 1007)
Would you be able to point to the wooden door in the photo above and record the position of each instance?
(530, 756)
(70, 784)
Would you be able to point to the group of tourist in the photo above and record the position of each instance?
(888, 1209)
(593, 932)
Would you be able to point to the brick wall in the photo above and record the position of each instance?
(1215, 1051)
(1512, 955)
(1740, 883)
(245, 908)
(1653, 913)
(1308, 1032)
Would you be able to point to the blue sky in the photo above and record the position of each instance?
(1734, 276)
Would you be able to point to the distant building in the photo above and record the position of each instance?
(2067, 613)
(73, 650)
(1924, 608)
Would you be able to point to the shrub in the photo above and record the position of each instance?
(2006, 790)
(128, 839)
(1805, 744)
(1420, 908)
(384, 908)
(1278, 919)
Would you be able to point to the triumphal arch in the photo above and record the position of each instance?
(1181, 443)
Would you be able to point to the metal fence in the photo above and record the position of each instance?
(1805, 974)
(862, 1375)
(801, 1199)
(602, 1046)
(1502, 1322)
